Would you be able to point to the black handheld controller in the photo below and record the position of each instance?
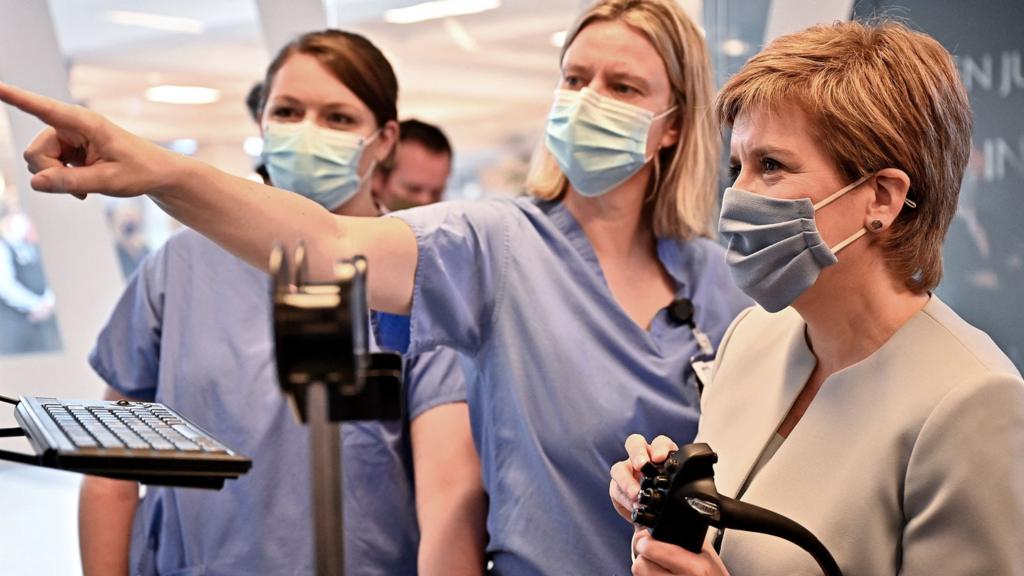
(678, 501)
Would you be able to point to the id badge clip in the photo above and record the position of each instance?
(681, 311)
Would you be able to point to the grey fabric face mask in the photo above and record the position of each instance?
(775, 252)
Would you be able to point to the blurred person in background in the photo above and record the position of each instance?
(27, 322)
(191, 331)
(125, 218)
(252, 104)
(420, 170)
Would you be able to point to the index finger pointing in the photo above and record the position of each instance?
(51, 111)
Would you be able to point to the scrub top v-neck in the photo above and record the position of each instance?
(562, 374)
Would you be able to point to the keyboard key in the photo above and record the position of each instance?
(187, 446)
(109, 441)
(186, 431)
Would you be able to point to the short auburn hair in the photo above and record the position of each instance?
(878, 95)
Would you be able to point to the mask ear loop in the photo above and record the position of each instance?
(856, 235)
(850, 240)
(653, 193)
(841, 191)
(373, 162)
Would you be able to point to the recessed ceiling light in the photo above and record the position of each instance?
(458, 33)
(438, 9)
(735, 47)
(558, 38)
(170, 94)
(156, 21)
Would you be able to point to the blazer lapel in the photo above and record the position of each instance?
(753, 396)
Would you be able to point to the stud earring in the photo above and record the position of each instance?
(876, 225)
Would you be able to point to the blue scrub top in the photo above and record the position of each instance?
(192, 330)
(562, 374)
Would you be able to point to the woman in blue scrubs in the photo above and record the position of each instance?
(191, 330)
(560, 302)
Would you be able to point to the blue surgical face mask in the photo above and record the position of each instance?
(318, 163)
(775, 252)
(598, 142)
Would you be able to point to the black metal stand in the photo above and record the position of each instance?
(325, 451)
(321, 338)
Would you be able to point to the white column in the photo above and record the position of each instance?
(282, 22)
(75, 241)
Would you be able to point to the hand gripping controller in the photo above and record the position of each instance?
(678, 502)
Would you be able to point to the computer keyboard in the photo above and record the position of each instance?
(144, 441)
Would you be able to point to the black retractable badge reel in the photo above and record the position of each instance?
(681, 312)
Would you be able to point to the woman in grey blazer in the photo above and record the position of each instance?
(851, 399)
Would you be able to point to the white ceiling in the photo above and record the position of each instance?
(483, 98)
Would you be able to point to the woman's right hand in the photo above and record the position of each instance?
(654, 558)
(625, 484)
(80, 152)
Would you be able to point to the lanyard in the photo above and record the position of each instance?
(682, 311)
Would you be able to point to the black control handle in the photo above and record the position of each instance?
(678, 502)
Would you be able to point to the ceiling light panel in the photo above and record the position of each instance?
(438, 9)
(156, 22)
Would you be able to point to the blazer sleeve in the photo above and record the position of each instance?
(964, 486)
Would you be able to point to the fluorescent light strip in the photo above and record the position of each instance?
(169, 94)
(156, 22)
(460, 35)
(438, 9)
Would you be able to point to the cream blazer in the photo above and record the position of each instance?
(909, 462)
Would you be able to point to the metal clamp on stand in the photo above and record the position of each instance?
(321, 335)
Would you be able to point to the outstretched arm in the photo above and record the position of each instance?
(81, 153)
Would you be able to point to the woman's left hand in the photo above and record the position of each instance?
(625, 483)
(655, 558)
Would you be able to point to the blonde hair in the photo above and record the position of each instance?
(878, 96)
(685, 176)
